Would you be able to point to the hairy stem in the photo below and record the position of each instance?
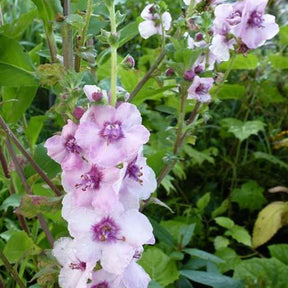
(11, 270)
(51, 42)
(113, 88)
(67, 39)
(81, 41)
(10, 134)
(147, 75)
(28, 190)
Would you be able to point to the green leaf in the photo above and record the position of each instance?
(249, 196)
(12, 201)
(242, 130)
(240, 234)
(225, 222)
(127, 33)
(270, 158)
(283, 35)
(221, 209)
(16, 29)
(203, 255)
(280, 252)
(203, 202)
(159, 266)
(77, 21)
(279, 61)
(229, 91)
(31, 205)
(16, 101)
(212, 279)
(19, 246)
(34, 128)
(48, 10)
(186, 234)
(230, 257)
(162, 234)
(242, 62)
(16, 68)
(269, 221)
(263, 272)
(154, 284)
(199, 157)
(220, 242)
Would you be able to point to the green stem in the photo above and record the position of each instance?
(83, 34)
(67, 38)
(1, 17)
(11, 270)
(51, 42)
(113, 88)
(147, 76)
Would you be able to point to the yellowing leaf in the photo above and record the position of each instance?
(269, 221)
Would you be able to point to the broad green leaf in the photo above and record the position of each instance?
(283, 35)
(203, 255)
(154, 284)
(162, 234)
(212, 279)
(16, 101)
(280, 252)
(128, 32)
(240, 234)
(225, 222)
(20, 246)
(270, 158)
(242, 130)
(269, 221)
(186, 234)
(220, 242)
(48, 9)
(159, 266)
(221, 209)
(263, 272)
(249, 196)
(229, 91)
(77, 21)
(12, 201)
(199, 157)
(34, 128)
(279, 61)
(167, 184)
(241, 62)
(16, 68)
(230, 257)
(31, 205)
(16, 29)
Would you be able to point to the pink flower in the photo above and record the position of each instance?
(64, 149)
(75, 272)
(111, 238)
(111, 135)
(94, 93)
(199, 90)
(221, 47)
(138, 184)
(103, 279)
(93, 185)
(256, 27)
(152, 24)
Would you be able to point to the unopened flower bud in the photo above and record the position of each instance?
(169, 72)
(128, 62)
(199, 69)
(199, 36)
(78, 112)
(189, 75)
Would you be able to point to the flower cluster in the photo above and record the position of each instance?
(105, 176)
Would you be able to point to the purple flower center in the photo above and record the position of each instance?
(256, 19)
(71, 145)
(106, 231)
(78, 266)
(202, 89)
(134, 172)
(103, 284)
(112, 131)
(91, 180)
(234, 18)
(96, 96)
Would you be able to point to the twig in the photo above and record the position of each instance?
(9, 133)
(147, 75)
(11, 270)
(28, 190)
(67, 39)
(4, 164)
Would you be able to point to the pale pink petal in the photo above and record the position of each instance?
(147, 29)
(135, 276)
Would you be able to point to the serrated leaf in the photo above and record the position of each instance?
(220, 242)
(242, 130)
(12, 201)
(199, 157)
(203, 202)
(240, 234)
(212, 279)
(249, 196)
(19, 246)
(230, 257)
(76, 21)
(269, 221)
(225, 222)
(270, 158)
(241, 62)
(159, 266)
(32, 205)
